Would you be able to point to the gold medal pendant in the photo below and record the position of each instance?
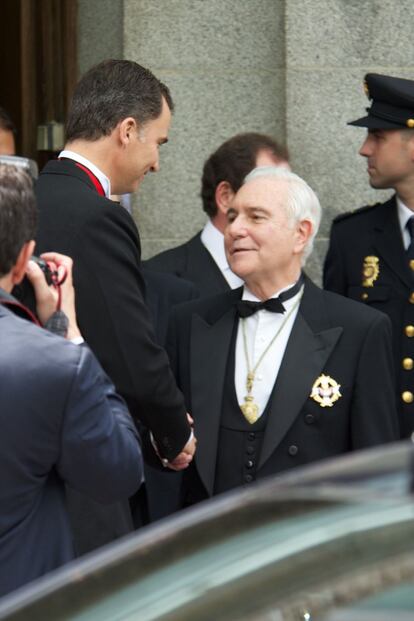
(250, 410)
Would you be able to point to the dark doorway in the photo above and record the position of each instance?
(38, 65)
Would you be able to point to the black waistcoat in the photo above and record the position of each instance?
(239, 442)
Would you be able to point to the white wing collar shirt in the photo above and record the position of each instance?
(260, 329)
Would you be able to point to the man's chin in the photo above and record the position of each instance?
(240, 270)
(379, 184)
(136, 185)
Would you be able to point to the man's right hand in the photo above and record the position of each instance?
(184, 459)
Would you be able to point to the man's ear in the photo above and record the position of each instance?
(19, 269)
(304, 231)
(127, 130)
(223, 196)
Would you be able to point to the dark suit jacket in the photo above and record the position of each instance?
(375, 231)
(163, 292)
(331, 335)
(61, 422)
(103, 241)
(193, 262)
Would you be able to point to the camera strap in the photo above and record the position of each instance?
(17, 308)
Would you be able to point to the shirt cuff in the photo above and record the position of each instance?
(78, 340)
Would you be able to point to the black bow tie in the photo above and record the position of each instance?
(246, 308)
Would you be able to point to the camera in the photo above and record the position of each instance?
(50, 275)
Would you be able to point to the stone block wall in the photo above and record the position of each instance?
(290, 68)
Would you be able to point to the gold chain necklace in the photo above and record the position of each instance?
(249, 408)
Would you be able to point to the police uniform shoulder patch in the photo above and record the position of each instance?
(354, 212)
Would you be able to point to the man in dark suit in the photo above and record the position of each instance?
(61, 421)
(202, 259)
(279, 373)
(118, 120)
(371, 250)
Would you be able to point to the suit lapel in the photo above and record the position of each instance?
(210, 344)
(388, 242)
(307, 351)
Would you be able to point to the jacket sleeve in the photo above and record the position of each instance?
(100, 451)
(374, 413)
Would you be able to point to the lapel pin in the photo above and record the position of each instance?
(370, 271)
(325, 391)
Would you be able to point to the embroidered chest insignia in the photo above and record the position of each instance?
(370, 271)
(325, 391)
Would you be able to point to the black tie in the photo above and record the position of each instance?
(410, 250)
(246, 308)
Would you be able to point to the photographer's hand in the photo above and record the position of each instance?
(47, 297)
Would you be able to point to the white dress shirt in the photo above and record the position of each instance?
(103, 179)
(213, 241)
(260, 329)
(404, 214)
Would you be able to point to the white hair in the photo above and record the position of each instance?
(301, 202)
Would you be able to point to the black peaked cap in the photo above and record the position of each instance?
(392, 103)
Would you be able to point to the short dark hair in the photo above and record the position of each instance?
(232, 161)
(110, 92)
(5, 121)
(18, 214)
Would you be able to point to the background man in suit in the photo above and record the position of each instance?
(118, 120)
(371, 251)
(60, 418)
(290, 374)
(202, 259)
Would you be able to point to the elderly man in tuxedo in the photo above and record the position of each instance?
(278, 373)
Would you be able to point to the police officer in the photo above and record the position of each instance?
(371, 251)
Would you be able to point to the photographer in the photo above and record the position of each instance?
(61, 420)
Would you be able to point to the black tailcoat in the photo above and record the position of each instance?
(331, 335)
(193, 262)
(375, 232)
(103, 241)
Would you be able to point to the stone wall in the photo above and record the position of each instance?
(290, 68)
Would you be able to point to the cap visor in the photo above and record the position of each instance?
(373, 122)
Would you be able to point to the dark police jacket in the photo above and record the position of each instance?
(61, 422)
(366, 261)
(331, 336)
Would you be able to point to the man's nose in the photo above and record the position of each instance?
(237, 227)
(366, 149)
(156, 165)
